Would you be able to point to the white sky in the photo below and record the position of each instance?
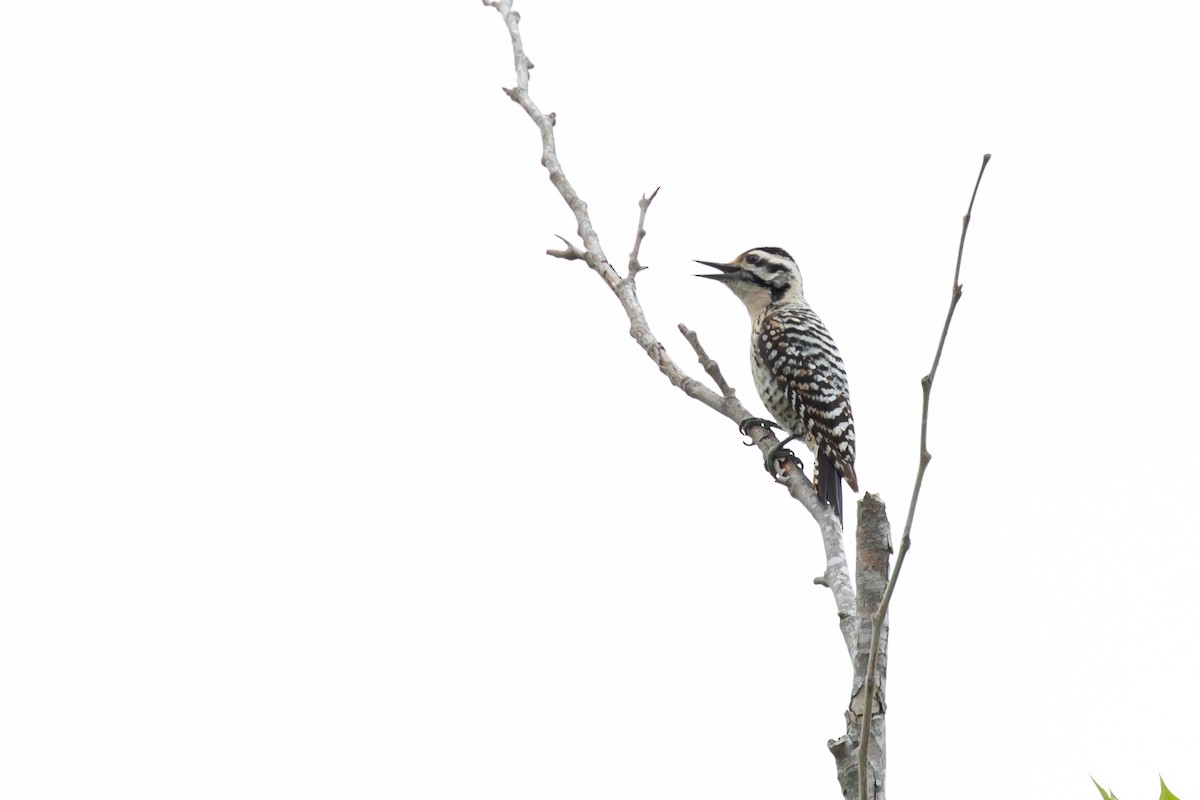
(320, 480)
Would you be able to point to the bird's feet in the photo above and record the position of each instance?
(745, 425)
(780, 452)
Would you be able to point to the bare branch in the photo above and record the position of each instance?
(570, 252)
(594, 253)
(709, 365)
(636, 266)
(837, 567)
(879, 617)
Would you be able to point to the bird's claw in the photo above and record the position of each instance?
(777, 453)
(745, 425)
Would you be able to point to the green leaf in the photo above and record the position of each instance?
(1166, 793)
(1105, 794)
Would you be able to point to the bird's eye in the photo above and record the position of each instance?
(752, 260)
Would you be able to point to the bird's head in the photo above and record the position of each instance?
(760, 278)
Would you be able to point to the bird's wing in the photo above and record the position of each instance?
(807, 366)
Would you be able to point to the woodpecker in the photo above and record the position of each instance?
(798, 371)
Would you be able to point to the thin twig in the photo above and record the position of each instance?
(570, 252)
(881, 614)
(636, 266)
(710, 366)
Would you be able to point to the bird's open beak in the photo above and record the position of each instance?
(728, 271)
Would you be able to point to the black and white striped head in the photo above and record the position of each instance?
(760, 278)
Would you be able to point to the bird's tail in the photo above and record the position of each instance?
(829, 484)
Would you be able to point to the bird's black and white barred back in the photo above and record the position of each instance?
(798, 370)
